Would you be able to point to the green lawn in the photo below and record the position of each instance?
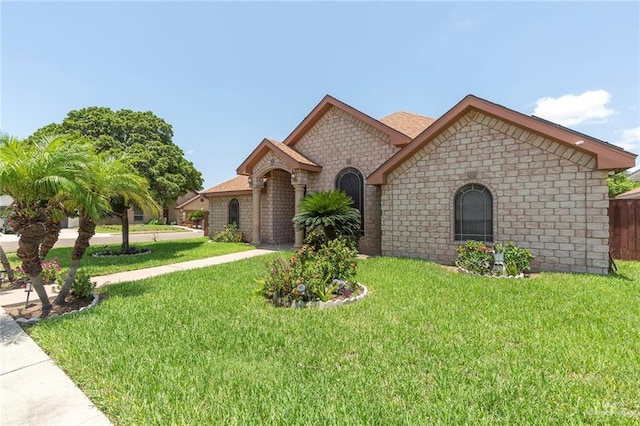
(162, 253)
(138, 228)
(427, 346)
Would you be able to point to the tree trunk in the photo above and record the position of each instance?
(6, 265)
(86, 230)
(68, 282)
(330, 232)
(53, 232)
(31, 236)
(124, 248)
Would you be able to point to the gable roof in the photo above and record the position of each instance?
(239, 185)
(292, 158)
(184, 203)
(635, 176)
(408, 123)
(397, 138)
(608, 157)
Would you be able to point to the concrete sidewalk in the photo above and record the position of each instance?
(33, 390)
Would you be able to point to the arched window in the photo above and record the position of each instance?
(234, 212)
(350, 181)
(474, 213)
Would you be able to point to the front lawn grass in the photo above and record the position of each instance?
(427, 346)
(162, 253)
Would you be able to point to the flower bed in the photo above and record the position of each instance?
(501, 260)
(314, 274)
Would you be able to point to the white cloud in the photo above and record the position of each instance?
(630, 140)
(570, 110)
(190, 152)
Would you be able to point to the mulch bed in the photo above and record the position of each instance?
(34, 308)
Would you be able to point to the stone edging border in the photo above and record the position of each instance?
(513, 277)
(334, 303)
(31, 321)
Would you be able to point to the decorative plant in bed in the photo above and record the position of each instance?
(324, 268)
(313, 275)
(501, 260)
(132, 251)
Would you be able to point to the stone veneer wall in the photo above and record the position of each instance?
(547, 197)
(277, 227)
(337, 141)
(219, 214)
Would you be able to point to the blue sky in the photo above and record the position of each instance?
(226, 75)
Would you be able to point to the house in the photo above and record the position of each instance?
(188, 206)
(423, 185)
(170, 213)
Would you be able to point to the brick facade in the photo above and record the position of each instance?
(219, 214)
(548, 183)
(338, 141)
(546, 196)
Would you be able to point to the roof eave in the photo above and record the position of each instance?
(223, 193)
(396, 138)
(607, 157)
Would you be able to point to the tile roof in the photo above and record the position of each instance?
(235, 186)
(408, 123)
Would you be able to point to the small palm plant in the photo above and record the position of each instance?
(330, 211)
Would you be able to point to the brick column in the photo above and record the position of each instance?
(299, 181)
(256, 188)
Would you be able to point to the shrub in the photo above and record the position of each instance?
(196, 215)
(312, 274)
(82, 285)
(329, 211)
(474, 256)
(516, 259)
(51, 272)
(477, 257)
(230, 234)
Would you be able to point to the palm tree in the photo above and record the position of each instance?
(111, 177)
(6, 265)
(35, 175)
(329, 210)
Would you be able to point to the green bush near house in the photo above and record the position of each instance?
(230, 234)
(477, 257)
(312, 274)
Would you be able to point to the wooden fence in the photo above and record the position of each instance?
(624, 229)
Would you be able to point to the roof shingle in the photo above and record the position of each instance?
(408, 123)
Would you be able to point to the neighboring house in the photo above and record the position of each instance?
(424, 186)
(635, 176)
(170, 214)
(196, 202)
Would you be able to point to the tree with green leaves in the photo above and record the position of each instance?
(146, 140)
(111, 178)
(620, 183)
(38, 175)
(330, 211)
